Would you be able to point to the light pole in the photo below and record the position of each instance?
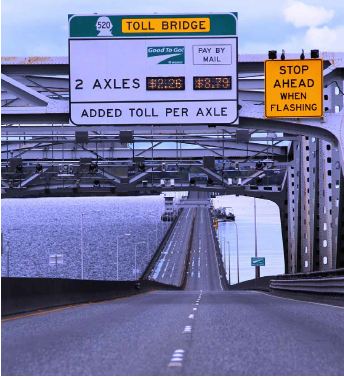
(156, 234)
(118, 237)
(82, 246)
(82, 242)
(257, 268)
(229, 263)
(8, 258)
(237, 239)
(224, 253)
(223, 248)
(138, 243)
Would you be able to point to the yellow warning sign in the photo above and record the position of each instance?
(294, 88)
(166, 25)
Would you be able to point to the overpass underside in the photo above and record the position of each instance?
(297, 163)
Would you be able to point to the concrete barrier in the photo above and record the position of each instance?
(224, 281)
(19, 295)
(323, 285)
(261, 284)
(160, 248)
(188, 255)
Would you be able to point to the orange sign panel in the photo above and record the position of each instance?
(294, 88)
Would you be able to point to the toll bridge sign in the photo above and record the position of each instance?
(153, 69)
(294, 88)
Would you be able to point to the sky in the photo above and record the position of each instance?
(40, 27)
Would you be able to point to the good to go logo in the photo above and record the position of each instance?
(167, 54)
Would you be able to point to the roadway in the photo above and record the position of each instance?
(179, 333)
(203, 330)
(170, 266)
(203, 270)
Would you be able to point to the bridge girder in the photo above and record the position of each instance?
(308, 187)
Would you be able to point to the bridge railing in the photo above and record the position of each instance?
(312, 275)
(320, 282)
(332, 286)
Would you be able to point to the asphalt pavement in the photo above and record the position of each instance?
(203, 270)
(203, 330)
(179, 333)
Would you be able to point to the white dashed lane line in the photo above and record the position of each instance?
(177, 358)
(187, 329)
(191, 316)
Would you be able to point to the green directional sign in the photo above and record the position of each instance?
(257, 261)
(153, 69)
(98, 25)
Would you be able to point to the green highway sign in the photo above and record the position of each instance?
(257, 261)
(98, 25)
(153, 69)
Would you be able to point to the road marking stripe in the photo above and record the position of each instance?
(293, 299)
(187, 329)
(175, 364)
(43, 311)
(177, 358)
(191, 316)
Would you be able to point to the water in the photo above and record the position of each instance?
(36, 230)
(269, 237)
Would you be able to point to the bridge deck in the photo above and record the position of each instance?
(203, 270)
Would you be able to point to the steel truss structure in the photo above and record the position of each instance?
(297, 163)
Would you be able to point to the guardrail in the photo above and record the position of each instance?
(314, 274)
(328, 285)
(20, 295)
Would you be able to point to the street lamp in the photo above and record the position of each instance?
(257, 268)
(224, 254)
(82, 246)
(224, 241)
(229, 263)
(156, 234)
(118, 237)
(237, 244)
(138, 243)
(8, 258)
(82, 241)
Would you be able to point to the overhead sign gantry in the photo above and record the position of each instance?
(157, 69)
